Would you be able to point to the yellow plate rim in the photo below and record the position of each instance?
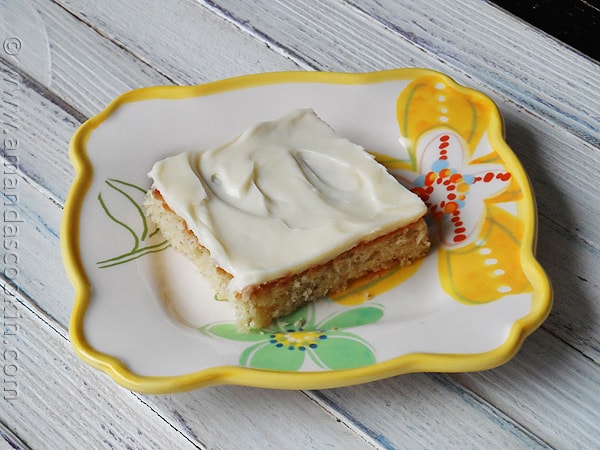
(410, 363)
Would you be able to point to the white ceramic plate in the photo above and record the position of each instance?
(143, 315)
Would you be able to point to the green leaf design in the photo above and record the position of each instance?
(363, 315)
(264, 355)
(140, 232)
(343, 350)
(229, 330)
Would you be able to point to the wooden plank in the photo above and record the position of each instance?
(514, 60)
(575, 22)
(86, 71)
(235, 417)
(549, 389)
(572, 264)
(36, 139)
(8, 437)
(543, 397)
(186, 42)
(24, 39)
(574, 270)
(426, 411)
(68, 64)
(90, 71)
(40, 131)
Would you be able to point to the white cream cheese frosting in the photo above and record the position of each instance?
(283, 196)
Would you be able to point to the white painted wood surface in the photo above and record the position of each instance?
(76, 55)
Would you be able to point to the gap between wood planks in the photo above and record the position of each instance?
(112, 39)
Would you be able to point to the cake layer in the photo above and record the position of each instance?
(256, 306)
(282, 197)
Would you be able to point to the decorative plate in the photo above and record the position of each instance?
(144, 316)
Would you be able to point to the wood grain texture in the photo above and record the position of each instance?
(88, 72)
(548, 389)
(508, 58)
(402, 418)
(236, 417)
(51, 388)
(42, 135)
(96, 50)
(575, 23)
(187, 43)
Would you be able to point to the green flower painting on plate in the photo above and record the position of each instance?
(288, 343)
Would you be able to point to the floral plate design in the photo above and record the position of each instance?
(145, 317)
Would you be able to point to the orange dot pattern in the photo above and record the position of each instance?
(445, 189)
